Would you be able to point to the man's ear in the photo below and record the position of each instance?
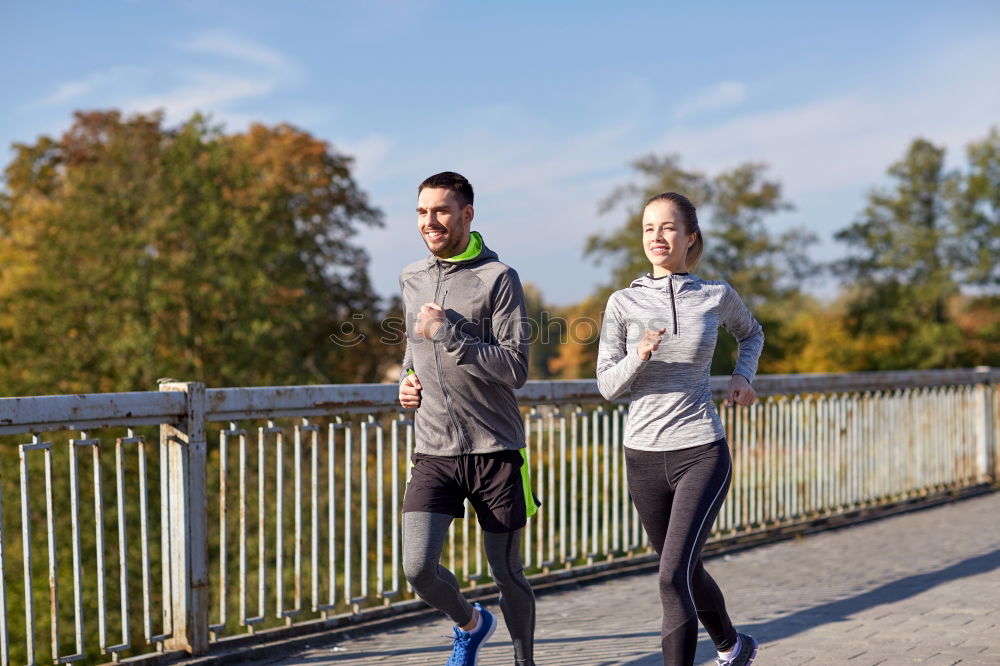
(467, 214)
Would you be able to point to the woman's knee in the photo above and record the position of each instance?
(674, 582)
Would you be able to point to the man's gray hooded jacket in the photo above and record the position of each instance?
(470, 368)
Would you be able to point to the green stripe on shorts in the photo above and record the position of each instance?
(530, 506)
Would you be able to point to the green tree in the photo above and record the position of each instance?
(548, 331)
(900, 270)
(130, 251)
(766, 269)
(976, 214)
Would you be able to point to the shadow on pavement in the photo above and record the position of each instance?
(842, 609)
(771, 630)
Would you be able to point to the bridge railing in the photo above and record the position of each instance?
(222, 517)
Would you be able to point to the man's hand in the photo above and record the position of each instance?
(429, 319)
(740, 392)
(650, 342)
(409, 392)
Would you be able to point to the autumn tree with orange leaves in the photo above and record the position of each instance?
(130, 251)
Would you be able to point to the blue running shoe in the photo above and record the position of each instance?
(465, 651)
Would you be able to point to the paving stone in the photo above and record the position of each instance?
(918, 588)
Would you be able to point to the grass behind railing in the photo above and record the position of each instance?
(62, 512)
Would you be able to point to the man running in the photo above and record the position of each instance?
(467, 350)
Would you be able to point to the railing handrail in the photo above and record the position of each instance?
(850, 382)
(100, 410)
(87, 411)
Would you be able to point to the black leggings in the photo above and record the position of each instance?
(678, 495)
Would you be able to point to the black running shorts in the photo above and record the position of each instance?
(494, 484)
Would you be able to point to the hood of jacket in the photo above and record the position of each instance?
(475, 252)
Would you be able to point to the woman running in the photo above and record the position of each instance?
(657, 343)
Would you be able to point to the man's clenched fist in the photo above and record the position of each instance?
(430, 317)
(409, 392)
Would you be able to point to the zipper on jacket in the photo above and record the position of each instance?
(673, 302)
(440, 374)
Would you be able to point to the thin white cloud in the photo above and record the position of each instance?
(70, 91)
(207, 93)
(720, 96)
(245, 69)
(92, 84)
(843, 141)
(233, 47)
(248, 70)
(213, 72)
(538, 186)
(848, 140)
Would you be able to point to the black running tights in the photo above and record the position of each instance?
(678, 495)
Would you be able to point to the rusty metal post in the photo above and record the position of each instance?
(986, 436)
(187, 495)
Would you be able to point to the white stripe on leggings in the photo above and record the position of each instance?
(729, 474)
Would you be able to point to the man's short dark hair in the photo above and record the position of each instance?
(449, 180)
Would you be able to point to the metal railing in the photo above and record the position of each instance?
(279, 507)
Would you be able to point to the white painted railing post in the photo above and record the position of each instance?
(186, 471)
(986, 426)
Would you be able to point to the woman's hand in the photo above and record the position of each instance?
(740, 392)
(650, 342)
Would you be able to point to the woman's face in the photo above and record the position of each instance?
(664, 238)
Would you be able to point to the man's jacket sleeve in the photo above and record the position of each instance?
(505, 359)
(407, 362)
(407, 352)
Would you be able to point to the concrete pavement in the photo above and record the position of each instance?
(921, 587)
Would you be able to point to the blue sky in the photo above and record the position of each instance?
(541, 105)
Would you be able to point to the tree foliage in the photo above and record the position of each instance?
(766, 268)
(576, 356)
(919, 284)
(546, 333)
(976, 214)
(131, 251)
(901, 270)
(922, 269)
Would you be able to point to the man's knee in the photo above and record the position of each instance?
(502, 552)
(503, 576)
(419, 572)
(507, 572)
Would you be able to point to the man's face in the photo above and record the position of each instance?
(443, 222)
